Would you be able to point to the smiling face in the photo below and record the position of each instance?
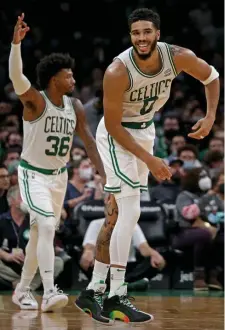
(144, 37)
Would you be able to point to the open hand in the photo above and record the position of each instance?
(20, 30)
(202, 128)
(159, 169)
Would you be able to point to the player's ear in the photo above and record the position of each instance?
(158, 34)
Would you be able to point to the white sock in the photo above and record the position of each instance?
(117, 279)
(45, 252)
(100, 273)
(128, 215)
(30, 263)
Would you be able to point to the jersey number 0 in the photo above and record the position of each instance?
(148, 105)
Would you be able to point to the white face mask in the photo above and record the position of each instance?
(86, 173)
(76, 157)
(205, 183)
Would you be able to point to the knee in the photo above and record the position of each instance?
(46, 226)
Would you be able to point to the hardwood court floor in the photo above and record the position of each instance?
(180, 312)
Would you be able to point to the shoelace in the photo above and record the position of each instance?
(98, 296)
(125, 300)
(57, 290)
(28, 294)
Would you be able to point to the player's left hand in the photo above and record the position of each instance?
(202, 128)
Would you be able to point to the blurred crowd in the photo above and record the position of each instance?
(197, 184)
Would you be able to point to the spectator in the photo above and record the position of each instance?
(167, 191)
(14, 140)
(79, 187)
(171, 127)
(195, 234)
(215, 144)
(4, 186)
(13, 172)
(94, 111)
(77, 153)
(14, 235)
(215, 162)
(135, 271)
(11, 155)
(189, 155)
(177, 142)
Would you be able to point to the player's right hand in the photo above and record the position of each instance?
(20, 30)
(159, 169)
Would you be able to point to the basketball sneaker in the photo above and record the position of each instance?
(91, 302)
(24, 299)
(120, 308)
(53, 300)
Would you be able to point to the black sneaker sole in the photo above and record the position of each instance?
(101, 320)
(123, 318)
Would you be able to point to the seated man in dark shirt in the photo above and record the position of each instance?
(14, 235)
(167, 191)
(4, 186)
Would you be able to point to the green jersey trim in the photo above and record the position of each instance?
(26, 165)
(142, 73)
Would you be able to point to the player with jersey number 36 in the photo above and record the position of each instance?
(50, 118)
(136, 85)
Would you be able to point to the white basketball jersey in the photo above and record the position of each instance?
(147, 93)
(48, 139)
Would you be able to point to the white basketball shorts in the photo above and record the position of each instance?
(126, 174)
(43, 194)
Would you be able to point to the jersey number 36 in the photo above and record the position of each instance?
(59, 146)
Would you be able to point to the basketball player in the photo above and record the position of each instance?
(49, 120)
(136, 85)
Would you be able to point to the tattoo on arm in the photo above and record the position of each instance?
(176, 50)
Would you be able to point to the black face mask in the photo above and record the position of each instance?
(170, 133)
(221, 188)
(176, 178)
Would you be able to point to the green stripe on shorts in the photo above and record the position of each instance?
(112, 189)
(29, 200)
(116, 168)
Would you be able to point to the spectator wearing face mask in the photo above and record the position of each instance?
(167, 191)
(80, 187)
(212, 203)
(196, 234)
(171, 127)
(189, 155)
(214, 161)
(77, 153)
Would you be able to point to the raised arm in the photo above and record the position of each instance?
(32, 100)
(185, 60)
(115, 83)
(86, 136)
